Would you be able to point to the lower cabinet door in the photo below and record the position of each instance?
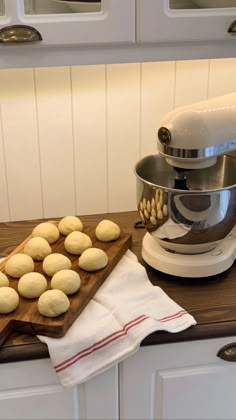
(179, 381)
(31, 390)
(42, 403)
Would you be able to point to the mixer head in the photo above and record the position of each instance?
(191, 137)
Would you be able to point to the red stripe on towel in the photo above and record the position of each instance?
(170, 317)
(103, 340)
(96, 346)
(110, 338)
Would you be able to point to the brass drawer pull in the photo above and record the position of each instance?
(228, 352)
(232, 28)
(19, 33)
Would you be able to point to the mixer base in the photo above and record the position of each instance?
(195, 265)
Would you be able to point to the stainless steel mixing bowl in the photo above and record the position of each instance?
(187, 221)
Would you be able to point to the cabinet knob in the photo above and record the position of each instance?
(232, 28)
(228, 352)
(19, 33)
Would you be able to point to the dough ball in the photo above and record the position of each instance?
(53, 303)
(3, 280)
(93, 259)
(47, 231)
(9, 300)
(68, 281)
(70, 224)
(107, 231)
(18, 265)
(32, 285)
(77, 242)
(37, 248)
(54, 263)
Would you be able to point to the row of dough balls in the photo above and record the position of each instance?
(46, 233)
(91, 259)
(51, 303)
(105, 231)
(34, 285)
(22, 266)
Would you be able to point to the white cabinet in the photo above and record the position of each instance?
(30, 390)
(178, 381)
(61, 23)
(116, 31)
(164, 382)
(183, 20)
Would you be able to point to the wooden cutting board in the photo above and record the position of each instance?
(26, 317)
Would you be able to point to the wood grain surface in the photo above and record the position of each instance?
(26, 318)
(212, 300)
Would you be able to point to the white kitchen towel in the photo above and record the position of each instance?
(125, 309)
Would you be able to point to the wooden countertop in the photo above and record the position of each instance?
(212, 301)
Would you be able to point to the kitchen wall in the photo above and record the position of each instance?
(69, 137)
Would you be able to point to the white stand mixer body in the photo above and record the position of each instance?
(191, 226)
(208, 264)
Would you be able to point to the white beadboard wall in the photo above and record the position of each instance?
(70, 136)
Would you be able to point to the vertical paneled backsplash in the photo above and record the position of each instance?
(70, 136)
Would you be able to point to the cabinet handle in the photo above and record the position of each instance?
(228, 352)
(232, 28)
(19, 33)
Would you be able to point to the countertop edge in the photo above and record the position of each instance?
(39, 350)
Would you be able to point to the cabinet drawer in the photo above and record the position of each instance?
(157, 22)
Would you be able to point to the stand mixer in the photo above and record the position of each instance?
(186, 193)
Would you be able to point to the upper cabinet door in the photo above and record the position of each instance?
(184, 20)
(63, 22)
